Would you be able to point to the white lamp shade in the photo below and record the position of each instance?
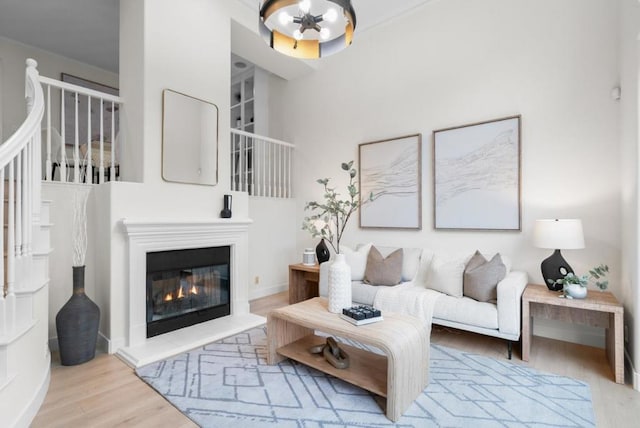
(558, 234)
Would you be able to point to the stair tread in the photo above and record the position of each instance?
(17, 333)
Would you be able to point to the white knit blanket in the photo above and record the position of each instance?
(406, 298)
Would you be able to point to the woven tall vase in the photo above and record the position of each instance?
(77, 324)
(339, 285)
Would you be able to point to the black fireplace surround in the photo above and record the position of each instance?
(187, 287)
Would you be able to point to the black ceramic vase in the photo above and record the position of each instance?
(553, 268)
(226, 212)
(77, 324)
(322, 252)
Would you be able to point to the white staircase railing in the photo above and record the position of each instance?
(20, 178)
(85, 146)
(261, 166)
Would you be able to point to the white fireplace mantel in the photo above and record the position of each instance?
(150, 235)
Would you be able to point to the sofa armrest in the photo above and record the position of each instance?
(323, 283)
(510, 291)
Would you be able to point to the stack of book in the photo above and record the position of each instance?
(360, 315)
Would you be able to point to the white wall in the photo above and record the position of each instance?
(456, 62)
(272, 246)
(183, 46)
(60, 261)
(630, 133)
(13, 56)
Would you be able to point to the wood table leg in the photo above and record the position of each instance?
(280, 333)
(527, 330)
(407, 372)
(615, 346)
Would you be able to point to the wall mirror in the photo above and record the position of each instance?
(189, 139)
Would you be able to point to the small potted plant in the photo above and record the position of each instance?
(575, 287)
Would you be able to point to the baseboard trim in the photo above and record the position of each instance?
(102, 344)
(267, 291)
(633, 374)
(114, 345)
(53, 344)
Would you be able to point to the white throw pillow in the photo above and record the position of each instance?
(410, 260)
(426, 256)
(446, 274)
(357, 260)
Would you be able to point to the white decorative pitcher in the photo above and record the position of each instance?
(339, 285)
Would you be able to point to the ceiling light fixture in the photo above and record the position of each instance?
(307, 29)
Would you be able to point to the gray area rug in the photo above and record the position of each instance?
(229, 384)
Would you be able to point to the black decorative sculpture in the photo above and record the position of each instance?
(322, 252)
(557, 234)
(553, 268)
(226, 211)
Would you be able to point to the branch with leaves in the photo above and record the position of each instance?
(79, 228)
(329, 218)
(596, 275)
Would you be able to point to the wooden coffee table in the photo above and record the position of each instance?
(399, 376)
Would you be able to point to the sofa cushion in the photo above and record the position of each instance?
(481, 277)
(445, 274)
(357, 260)
(410, 260)
(383, 270)
(363, 294)
(467, 311)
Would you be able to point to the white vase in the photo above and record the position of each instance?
(576, 291)
(339, 285)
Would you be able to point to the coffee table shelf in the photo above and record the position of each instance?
(399, 376)
(366, 369)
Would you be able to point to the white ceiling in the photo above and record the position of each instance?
(87, 30)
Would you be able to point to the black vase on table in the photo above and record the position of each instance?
(322, 252)
(553, 268)
(77, 324)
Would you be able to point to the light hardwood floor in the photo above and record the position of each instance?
(105, 392)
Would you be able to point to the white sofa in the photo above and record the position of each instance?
(424, 268)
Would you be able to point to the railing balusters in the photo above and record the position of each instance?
(28, 198)
(11, 230)
(101, 154)
(253, 165)
(20, 177)
(76, 144)
(270, 167)
(82, 162)
(63, 152)
(234, 145)
(18, 247)
(112, 169)
(89, 159)
(3, 284)
(260, 165)
(47, 165)
(289, 172)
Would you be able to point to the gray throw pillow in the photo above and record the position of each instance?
(481, 277)
(381, 270)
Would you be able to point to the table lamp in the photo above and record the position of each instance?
(557, 234)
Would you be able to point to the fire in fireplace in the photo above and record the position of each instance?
(187, 287)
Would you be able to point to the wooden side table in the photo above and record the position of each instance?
(598, 309)
(303, 282)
